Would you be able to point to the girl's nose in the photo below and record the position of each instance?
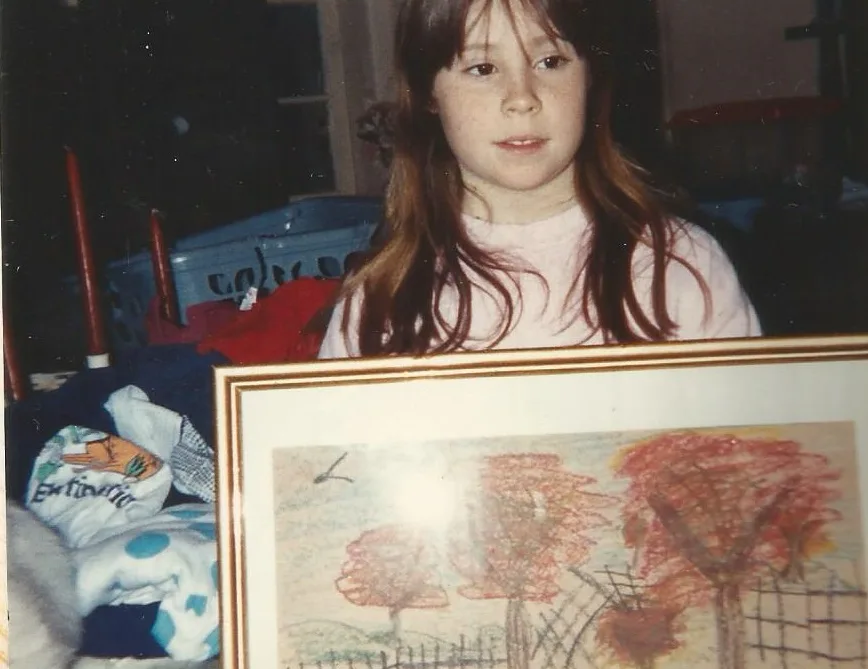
(520, 96)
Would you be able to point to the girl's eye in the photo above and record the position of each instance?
(481, 70)
(551, 62)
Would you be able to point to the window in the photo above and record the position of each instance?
(306, 70)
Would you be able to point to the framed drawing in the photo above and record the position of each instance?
(666, 505)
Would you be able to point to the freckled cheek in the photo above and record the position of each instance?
(465, 119)
(571, 106)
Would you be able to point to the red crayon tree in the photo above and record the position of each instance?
(526, 524)
(637, 632)
(708, 513)
(394, 568)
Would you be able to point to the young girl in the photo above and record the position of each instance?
(512, 218)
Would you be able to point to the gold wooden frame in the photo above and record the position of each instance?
(235, 386)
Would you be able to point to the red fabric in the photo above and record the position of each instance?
(201, 319)
(757, 111)
(276, 329)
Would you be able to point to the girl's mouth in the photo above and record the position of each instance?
(521, 144)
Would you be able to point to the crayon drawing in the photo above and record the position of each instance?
(721, 548)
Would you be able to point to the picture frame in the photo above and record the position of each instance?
(679, 504)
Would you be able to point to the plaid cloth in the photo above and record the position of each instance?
(192, 464)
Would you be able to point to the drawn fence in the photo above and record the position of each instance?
(466, 654)
(565, 635)
(826, 624)
(562, 637)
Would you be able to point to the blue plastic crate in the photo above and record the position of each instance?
(313, 214)
(308, 238)
(739, 213)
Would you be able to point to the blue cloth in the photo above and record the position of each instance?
(174, 376)
(122, 631)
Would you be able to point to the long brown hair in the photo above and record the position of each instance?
(424, 248)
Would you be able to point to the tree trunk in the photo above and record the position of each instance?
(730, 627)
(397, 632)
(794, 572)
(518, 641)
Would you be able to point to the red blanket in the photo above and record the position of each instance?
(286, 326)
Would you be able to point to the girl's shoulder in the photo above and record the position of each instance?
(689, 240)
(687, 244)
(337, 342)
(704, 287)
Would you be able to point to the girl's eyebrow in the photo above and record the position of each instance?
(482, 48)
(485, 47)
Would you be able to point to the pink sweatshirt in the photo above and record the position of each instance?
(546, 317)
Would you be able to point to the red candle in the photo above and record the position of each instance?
(14, 374)
(162, 271)
(96, 342)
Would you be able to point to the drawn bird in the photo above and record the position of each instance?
(327, 474)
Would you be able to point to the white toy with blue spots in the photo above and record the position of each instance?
(104, 493)
(170, 558)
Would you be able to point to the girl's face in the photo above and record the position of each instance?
(512, 106)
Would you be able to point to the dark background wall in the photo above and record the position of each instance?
(166, 104)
